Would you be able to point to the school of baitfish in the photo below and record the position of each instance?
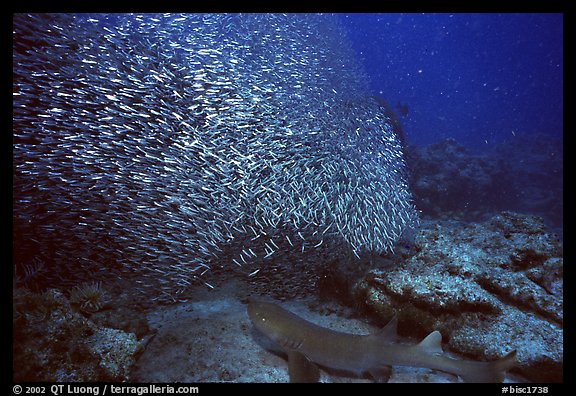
(147, 143)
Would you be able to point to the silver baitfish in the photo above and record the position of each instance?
(145, 144)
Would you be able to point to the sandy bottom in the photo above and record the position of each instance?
(213, 340)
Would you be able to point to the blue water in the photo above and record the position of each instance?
(478, 78)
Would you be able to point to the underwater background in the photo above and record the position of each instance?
(168, 169)
(492, 83)
(477, 78)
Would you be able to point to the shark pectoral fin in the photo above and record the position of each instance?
(432, 344)
(301, 369)
(381, 374)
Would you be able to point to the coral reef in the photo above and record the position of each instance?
(448, 181)
(489, 288)
(523, 174)
(54, 342)
(535, 163)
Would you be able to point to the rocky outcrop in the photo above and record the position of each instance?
(55, 342)
(489, 288)
(523, 174)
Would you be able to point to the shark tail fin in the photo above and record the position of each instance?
(491, 371)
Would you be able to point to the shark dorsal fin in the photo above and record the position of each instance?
(432, 343)
(388, 332)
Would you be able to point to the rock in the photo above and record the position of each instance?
(523, 174)
(489, 288)
(450, 182)
(54, 342)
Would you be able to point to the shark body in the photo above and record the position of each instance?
(308, 345)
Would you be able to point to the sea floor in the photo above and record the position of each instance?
(211, 339)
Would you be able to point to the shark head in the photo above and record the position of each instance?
(267, 318)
